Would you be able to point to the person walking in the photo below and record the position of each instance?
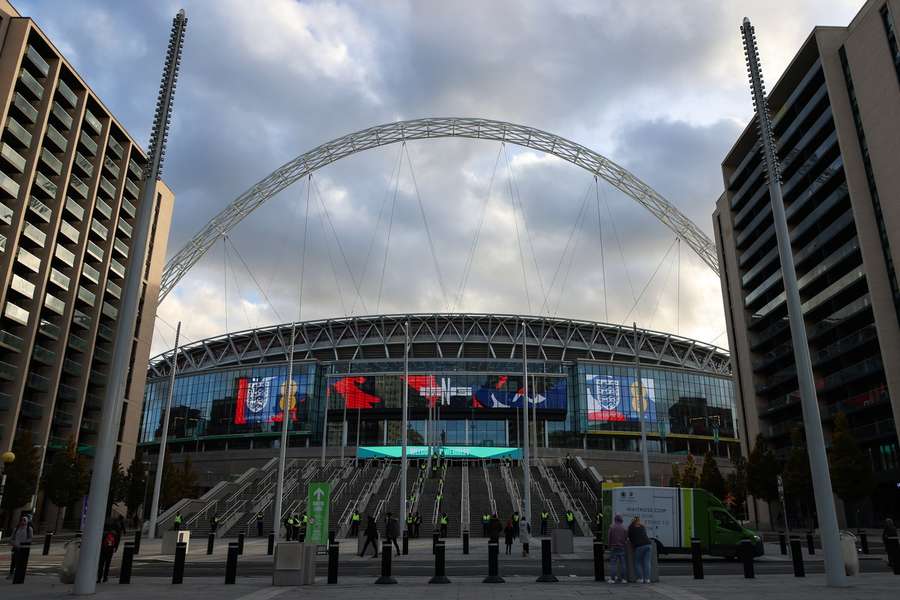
(637, 535)
(485, 522)
(392, 531)
(524, 535)
(289, 527)
(120, 531)
(260, 523)
(371, 533)
(508, 533)
(21, 535)
(214, 522)
(545, 516)
(444, 523)
(410, 525)
(176, 523)
(890, 531)
(570, 519)
(616, 539)
(108, 544)
(354, 523)
(303, 523)
(515, 521)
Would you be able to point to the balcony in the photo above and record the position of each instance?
(57, 138)
(31, 84)
(43, 356)
(107, 187)
(66, 92)
(65, 119)
(125, 228)
(51, 161)
(93, 121)
(133, 189)
(25, 108)
(44, 184)
(88, 143)
(135, 169)
(74, 208)
(110, 165)
(16, 160)
(127, 207)
(103, 208)
(18, 132)
(84, 164)
(79, 186)
(40, 209)
(77, 343)
(54, 304)
(49, 329)
(10, 341)
(9, 185)
(115, 147)
(69, 232)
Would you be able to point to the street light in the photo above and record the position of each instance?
(5, 459)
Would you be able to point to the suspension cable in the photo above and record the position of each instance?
(662, 290)
(252, 277)
(602, 258)
(390, 228)
(225, 273)
(327, 244)
(621, 253)
(434, 257)
(649, 281)
(562, 288)
(678, 292)
(303, 263)
(237, 285)
(512, 200)
(467, 267)
(528, 237)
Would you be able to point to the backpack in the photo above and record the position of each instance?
(109, 540)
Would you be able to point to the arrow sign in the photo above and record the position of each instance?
(318, 497)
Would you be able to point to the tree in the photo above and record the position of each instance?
(736, 485)
(67, 480)
(170, 487)
(762, 471)
(21, 475)
(852, 478)
(117, 486)
(689, 478)
(675, 478)
(797, 476)
(135, 484)
(189, 477)
(711, 478)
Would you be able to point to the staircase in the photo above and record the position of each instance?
(479, 498)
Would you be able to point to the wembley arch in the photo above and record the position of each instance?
(430, 128)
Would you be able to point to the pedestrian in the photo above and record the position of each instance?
(524, 535)
(599, 523)
(544, 517)
(21, 535)
(515, 521)
(570, 519)
(108, 545)
(508, 535)
(259, 524)
(637, 535)
(410, 524)
(354, 523)
(418, 524)
(214, 522)
(120, 531)
(392, 531)
(371, 533)
(176, 523)
(616, 539)
(495, 528)
(485, 522)
(302, 526)
(890, 531)
(288, 527)
(444, 523)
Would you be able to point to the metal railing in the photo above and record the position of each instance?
(490, 489)
(465, 516)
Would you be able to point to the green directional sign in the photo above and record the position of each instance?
(318, 498)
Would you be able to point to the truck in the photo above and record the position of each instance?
(673, 516)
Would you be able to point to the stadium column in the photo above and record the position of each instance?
(282, 451)
(160, 460)
(527, 469)
(640, 390)
(403, 425)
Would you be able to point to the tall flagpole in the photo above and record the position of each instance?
(160, 460)
(527, 468)
(404, 427)
(812, 420)
(640, 406)
(105, 449)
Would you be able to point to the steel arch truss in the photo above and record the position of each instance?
(420, 129)
(447, 337)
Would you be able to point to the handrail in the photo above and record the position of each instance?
(511, 488)
(490, 489)
(465, 516)
(572, 503)
(548, 505)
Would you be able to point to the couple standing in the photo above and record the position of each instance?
(618, 536)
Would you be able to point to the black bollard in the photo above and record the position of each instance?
(333, 556)
(598, 557)
(178, 567)
(782, 543)
(435, 536)
(127, 559)
(892, 547)
(864, 542)
(332, 536)
(240, 544)
(231, 563)
(547, 564)
(22, 554)
(210, 543)
(137, 542)
(493, 563)
(386, 564)
(271, 548)
(405, 542)
(47, 538)
(809, 543)
(465, 542)
(797, 558)
(746, 551)
(440, 571)
(697, 558)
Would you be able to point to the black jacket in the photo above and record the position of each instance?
(637, 535)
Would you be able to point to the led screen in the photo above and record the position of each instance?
(613, 398)
(260, 399)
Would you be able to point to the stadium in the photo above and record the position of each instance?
(465, 397)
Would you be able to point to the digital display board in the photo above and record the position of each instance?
(261, 399)
(615, 398)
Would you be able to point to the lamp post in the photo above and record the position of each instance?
(5, 459)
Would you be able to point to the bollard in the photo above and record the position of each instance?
(809, 543)
(440, 571)
(547, 565)
(435, 536)
(127, 558)
(333, 556)
(210, 543)
(240, 544)
(892, 547)
(231, 563)
(47, 537)
(746, 551)
(178, 567)
(797, 558)
(271, 548)
(332, 536)
(697, 558)
(465, 542)
(598, 557)
(782, 543)
(405, 542)
(21, 562)
(386, 564)
(493, 563)
(864, 542)
(137, 542)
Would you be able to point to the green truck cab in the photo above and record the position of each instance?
(673, 516)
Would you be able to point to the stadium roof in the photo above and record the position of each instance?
(442, 336)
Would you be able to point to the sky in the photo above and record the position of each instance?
(657, 86)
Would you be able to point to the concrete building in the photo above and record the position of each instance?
(836, 115)
(70, 184)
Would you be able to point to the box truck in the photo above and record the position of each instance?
(673, 516)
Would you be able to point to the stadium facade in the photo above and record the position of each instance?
(465, 374)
